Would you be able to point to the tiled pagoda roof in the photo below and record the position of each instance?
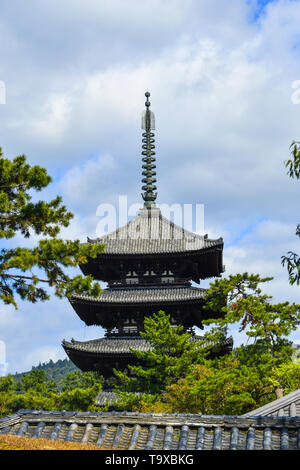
(118, 345)
(151, 233)
(136, 295)
(108, 345)
(157, 431)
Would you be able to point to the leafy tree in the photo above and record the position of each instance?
(7, 384)
(36, 380)
(292, 260)
(172, 352)
(253, 374)
(233, 384)
(221, 387)
(78, 399)
(36, 391)
(78, 379)
(29, 400)
(286, 378)
(248, 377)
(268, 324)
(23, 270)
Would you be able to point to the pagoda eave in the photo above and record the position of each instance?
(104, 354)
(154, 252)
(201, 264)
(129, 306)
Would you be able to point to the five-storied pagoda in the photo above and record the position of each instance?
(148, 265)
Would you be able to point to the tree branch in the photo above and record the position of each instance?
(19, 276)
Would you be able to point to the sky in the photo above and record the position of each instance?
(224, 78)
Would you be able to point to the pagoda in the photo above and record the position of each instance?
(149, 265)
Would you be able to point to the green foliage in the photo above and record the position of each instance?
(293, 164)
(77, 392)
(127, 400)
(178, 376)
(172, 352)
(78, 379)
(292, 260)
(36, 380)
(268, 324)
(209, 389)
(232, 385)
(19, 215)
(7, 384)
(17, 178)
(78, 399)
(286, 377)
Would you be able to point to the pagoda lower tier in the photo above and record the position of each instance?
(122, 310)
(103, 354)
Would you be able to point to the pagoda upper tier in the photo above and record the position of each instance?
(151, 249)
(123, 310)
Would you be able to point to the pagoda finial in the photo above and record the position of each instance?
(149, 173)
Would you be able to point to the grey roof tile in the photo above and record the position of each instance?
(147, 234)
(106, 396)
(108, 345)
(116, 345)
(158, 431)
(143, 294)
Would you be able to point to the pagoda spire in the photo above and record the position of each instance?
(148, 124)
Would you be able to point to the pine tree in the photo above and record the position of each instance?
(172, 352)
(179, 375)
(24, 270)
(267, 324)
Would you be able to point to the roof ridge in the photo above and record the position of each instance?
(147, 215)
(132, 289)
(209, 418)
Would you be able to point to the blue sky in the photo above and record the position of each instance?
(220, 75)
(259, 7)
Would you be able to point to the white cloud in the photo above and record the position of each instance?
(81, 181)
(51, 123)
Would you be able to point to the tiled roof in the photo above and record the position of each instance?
(150, 233)
(108, 345)
(289, 405)
(118, 345)
(106, 396)
(157, 431)
(143, 294)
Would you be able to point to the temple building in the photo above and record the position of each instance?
(149, 265)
